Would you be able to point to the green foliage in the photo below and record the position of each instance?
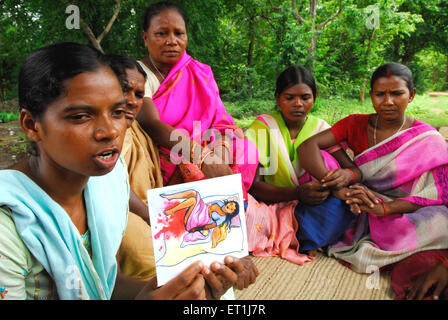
(8, 116)
(248, 43)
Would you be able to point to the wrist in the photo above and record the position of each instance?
(355, 173)
(384, 207)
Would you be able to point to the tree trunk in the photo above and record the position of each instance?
(446, 74)
(313, 40)
(362, 94)
(250, 52)
(2, 92)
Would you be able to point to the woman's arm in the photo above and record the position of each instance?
(309, 193)
(311, 161)
(161, 133)
(309, 153)
(269, 193)
(367, 201)
(137, 206)
(187, 285)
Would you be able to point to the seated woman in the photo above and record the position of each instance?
(136, 254)
(63, 210)
(294, 212)
(182, 108)
(402, 164)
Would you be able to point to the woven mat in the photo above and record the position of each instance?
(322, 279)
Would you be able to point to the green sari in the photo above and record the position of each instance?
(277, 150)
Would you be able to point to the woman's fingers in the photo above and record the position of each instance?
(219, 279)
(362, 195)
(245, 269)
(367, 191)
(355, 208)
(438, 290)
(194, 291)
(186, 281)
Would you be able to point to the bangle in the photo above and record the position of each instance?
(383, 204)
(193, 145)
(209, 152)
(444, 260)
(353, 174)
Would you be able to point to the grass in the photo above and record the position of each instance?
(432, 110)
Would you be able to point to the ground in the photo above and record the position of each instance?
(12, 144)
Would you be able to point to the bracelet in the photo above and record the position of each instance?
(353, 174)
(444, 260)
(193, 145)
(209, 152)
(383, 204)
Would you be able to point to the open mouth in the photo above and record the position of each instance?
(106, 155)
(106, 159)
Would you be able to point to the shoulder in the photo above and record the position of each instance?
(200, 65)
(356, 117)
(15, 258)
(353, 120)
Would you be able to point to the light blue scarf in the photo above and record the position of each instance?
(49, 234)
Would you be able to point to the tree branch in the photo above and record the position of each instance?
(332, 17)
(91, 35)
(273, 7)
(295, 13)
(93, 39)
(111, 21)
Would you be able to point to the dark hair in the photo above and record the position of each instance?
(393, 69)
(157, 8)
(42, 75)
(294, 75)
(233, 214)
(119, 63)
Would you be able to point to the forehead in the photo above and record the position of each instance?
(93, 88)
(169, 17)
(298, 89)
(390, 83)
(133, 75)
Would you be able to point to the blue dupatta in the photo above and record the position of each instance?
(49, 234)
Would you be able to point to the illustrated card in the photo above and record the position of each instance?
(201, 220)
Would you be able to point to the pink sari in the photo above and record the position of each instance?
(188, 100)
(412, 166)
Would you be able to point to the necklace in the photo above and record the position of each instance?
(157, 69)
(376, 124)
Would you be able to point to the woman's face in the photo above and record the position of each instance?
(134, 92)
(295, 103)
(166, 37)
(82, 131)
(390, 97)
(229, 207)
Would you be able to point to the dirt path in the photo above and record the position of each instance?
(12, 145)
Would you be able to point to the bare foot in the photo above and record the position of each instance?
(312, 253)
